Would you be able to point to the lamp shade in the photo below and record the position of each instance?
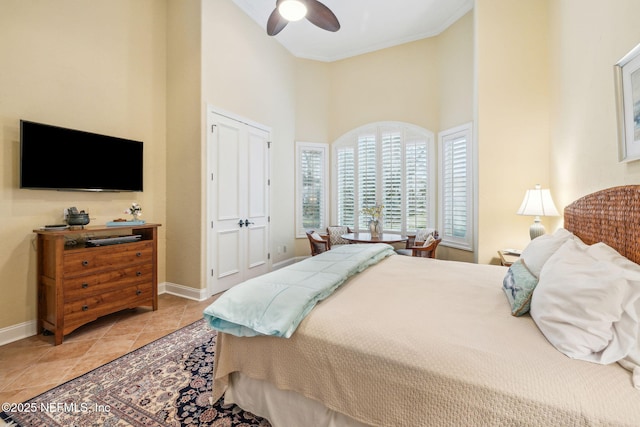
(538, 202)
(292, 10)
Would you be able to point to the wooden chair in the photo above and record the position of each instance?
(318, 246)
(417, 249)
(426, 251)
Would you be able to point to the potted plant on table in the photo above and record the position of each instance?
(375, 223)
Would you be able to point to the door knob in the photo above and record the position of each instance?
(240, 223)
(246, 222)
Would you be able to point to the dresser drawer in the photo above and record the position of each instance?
(84, 286)
(91, 260)
(81, 311)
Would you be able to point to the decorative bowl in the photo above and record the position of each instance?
(78, 219)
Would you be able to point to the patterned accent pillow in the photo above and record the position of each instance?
(335, 233)
(518, 286)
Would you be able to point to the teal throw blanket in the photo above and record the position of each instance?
(276, 303)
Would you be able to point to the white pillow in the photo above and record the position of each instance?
(316, 236)
(423, 233)
(541, 248)
(587, 304)
(428, 241)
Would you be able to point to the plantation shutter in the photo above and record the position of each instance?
(417, 184)
(312, 199)
(346, 189)
(392, 180)
(456, 188)
(367, 179)
(312, 188)
(388, 163)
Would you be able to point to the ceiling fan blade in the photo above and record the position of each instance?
(321, 16)
(275, 23)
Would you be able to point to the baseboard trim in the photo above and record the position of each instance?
(18, 332)
(29, 329)
(182, 291)
(286, 262)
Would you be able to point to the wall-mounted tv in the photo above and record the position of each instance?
(57, 158)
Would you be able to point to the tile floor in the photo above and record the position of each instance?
(34, 365)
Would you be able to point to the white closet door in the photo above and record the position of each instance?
(238, 195)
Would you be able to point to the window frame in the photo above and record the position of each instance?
(444, 137)
(323, 148)
(350, 139)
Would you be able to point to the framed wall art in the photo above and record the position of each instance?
(627, 79)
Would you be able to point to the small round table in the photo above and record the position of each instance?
(382, 238)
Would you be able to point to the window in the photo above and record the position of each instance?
(311, 187)
(456, 187)
(389, 163)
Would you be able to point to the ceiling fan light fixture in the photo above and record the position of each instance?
(292, 10)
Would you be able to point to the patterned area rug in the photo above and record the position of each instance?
(165, 383)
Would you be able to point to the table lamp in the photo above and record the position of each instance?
(537, 202)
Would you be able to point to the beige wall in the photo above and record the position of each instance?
(220, 57)
(184, 172)
(312, 113)
(546, 106)
(587, 38)
(313, 88)
(143, 70)
(394, 84)
(96, 66)
(512, 72)
(398, 83)
(250, 74)
(456, 93)
(545, 109)
(428, 83)
(456, 73)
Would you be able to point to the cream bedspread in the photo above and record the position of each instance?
(414, 341)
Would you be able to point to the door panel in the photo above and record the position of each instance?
(228, 260)
(257, 156)
(258, 239)
(229, 172)
(238, 202)
(257, 207)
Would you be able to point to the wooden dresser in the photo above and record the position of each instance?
(78, 283)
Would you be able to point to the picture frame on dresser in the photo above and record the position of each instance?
(627, 83)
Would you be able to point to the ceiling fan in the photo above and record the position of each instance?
(294, 10)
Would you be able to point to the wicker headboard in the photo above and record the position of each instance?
(611, 216)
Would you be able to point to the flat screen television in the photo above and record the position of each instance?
(57, 158)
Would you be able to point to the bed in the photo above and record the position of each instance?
(412, 341)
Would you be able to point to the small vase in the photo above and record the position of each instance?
(375, 228)
(136, 216)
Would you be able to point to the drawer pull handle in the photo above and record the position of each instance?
(138, 254)
(85, 262)
(138, 273)
(85, 285)
(85, 307)
(138, 291)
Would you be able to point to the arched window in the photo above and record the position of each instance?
(390, 163)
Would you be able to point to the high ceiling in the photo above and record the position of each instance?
(366, 25)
